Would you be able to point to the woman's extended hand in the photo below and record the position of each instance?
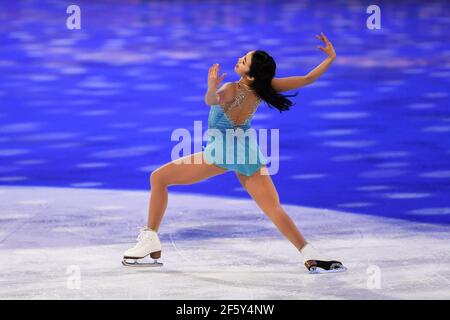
(213, 77)
(329, 50)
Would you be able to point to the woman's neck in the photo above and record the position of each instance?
(244, 81)
(245, 85)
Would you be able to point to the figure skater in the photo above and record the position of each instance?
(231, 108)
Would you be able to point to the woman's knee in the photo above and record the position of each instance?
(269, 198)
(274, 211)
(156, 178)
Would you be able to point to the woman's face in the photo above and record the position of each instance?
(243, 64)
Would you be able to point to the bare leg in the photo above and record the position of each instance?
(262, 190)
(176, 173)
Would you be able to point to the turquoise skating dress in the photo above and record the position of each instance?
(230, 145)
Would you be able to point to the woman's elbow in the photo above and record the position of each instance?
(307, 80)
(210, 102)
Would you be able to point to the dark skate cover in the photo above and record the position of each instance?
(320, 266)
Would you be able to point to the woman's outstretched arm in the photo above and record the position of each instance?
(290, 83)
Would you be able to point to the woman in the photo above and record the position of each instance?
(232, 108)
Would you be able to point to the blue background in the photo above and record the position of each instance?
(95, 107)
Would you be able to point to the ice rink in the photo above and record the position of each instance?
(363, 156)
(67, 243)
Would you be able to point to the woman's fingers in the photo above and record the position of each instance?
(328, 49)
(214, 71)
(322, 37)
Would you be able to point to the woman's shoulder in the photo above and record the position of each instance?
(227, 93)
(227, 86)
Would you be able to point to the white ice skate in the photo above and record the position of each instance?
(316, 263)
(148, 244)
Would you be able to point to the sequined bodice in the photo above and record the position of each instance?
(239, 107)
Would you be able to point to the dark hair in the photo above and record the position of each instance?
(262, 69)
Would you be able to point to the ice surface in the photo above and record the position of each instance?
(67, 243)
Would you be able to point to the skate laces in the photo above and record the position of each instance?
(144, 234)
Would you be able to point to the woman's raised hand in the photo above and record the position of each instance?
(329, 50)
(213, 77)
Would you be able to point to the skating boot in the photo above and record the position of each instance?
(148, 244)
(316, 263)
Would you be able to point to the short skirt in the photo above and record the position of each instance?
(234, 149)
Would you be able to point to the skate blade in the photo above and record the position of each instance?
(142, 264)
(323, 271)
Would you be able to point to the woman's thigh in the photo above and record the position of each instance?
(261, 188)
(186, 170)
